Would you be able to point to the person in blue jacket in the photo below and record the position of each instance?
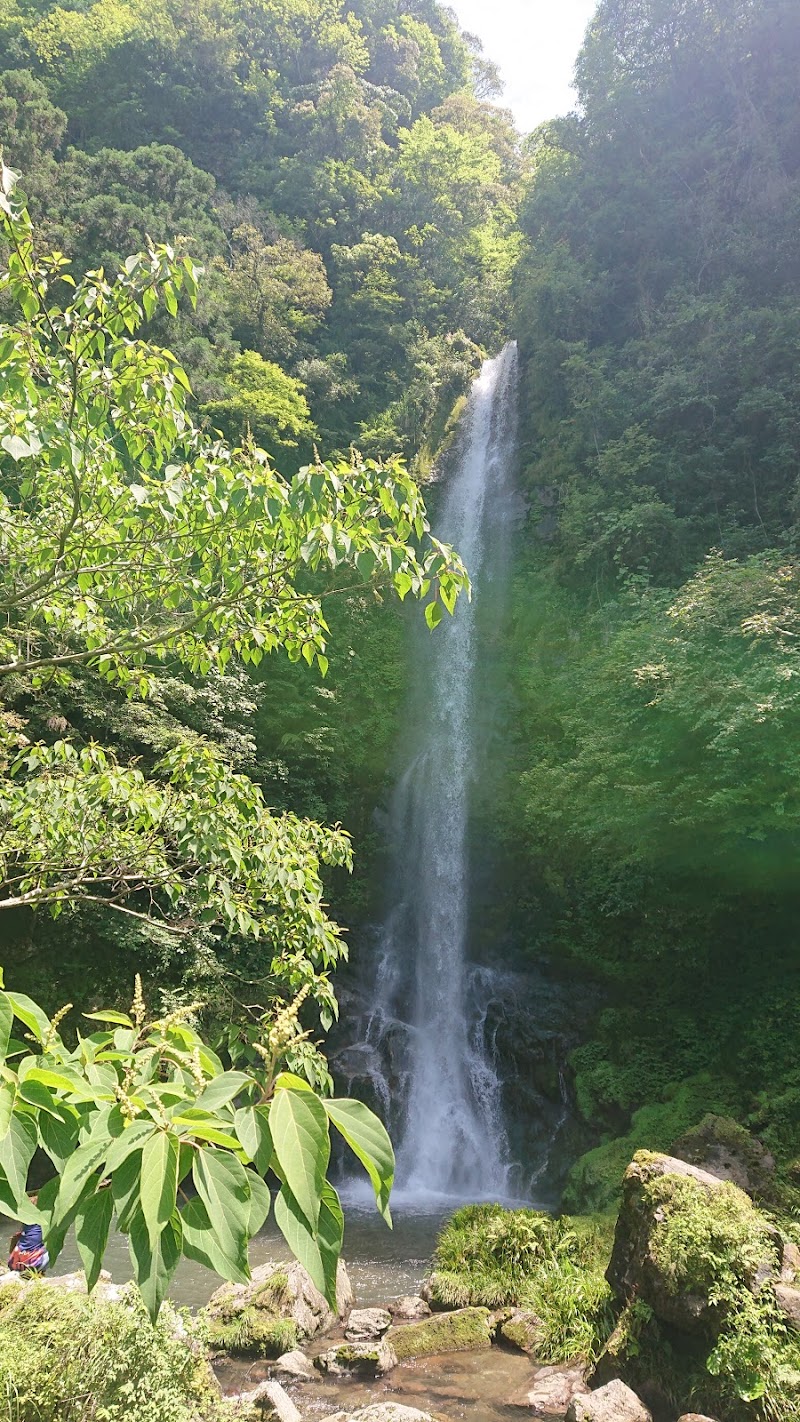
(28, 1250)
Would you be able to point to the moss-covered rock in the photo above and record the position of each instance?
(270, 1315)
(726, 1149)
(522, 1329)
(466, 1329)
(359, 1360)
(686, 1242)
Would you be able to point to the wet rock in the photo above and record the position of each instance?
(295, 1365)
(460, 1331)
(788, 1301)
(381, 1412)
(267, 1397)
(613, 1403)
(552, 1390)
(268, 1316)
(655, 1188)
(358, 1360)
(409, 1309)
(696, 1417)
(521, 1329)
(366, 1324)
(725, 1149)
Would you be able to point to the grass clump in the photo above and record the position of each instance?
(490, 1257)
(68, 1358)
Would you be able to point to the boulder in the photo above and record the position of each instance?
(788, 1301)
(790, 1263)
(521, 1329)
(295, 1365)
(725, 1149)
(613, 1403)
(266, 1397)
(366, 1324)
(552, 1390)
(358, 1360)
(409, 1309)
(660, 1195)
(696, 1417)
(266, 1317)
(466, 1329)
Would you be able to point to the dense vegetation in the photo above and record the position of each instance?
(368, 224)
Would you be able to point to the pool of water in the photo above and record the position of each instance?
(383, 1264)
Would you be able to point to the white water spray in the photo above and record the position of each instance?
(429, 1009)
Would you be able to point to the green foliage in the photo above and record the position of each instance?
(487, 1255)
(708, 1242)
(138, 1107)
(66, 1358)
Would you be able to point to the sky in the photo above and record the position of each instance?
(535, 43)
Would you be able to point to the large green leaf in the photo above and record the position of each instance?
(8, 1095)
(159, 1183)
(36, 1094)
(222, 1090)
(154, 1263)
(223, 1185)
(133, 1137)
(16, 1152)
(31, 1014)
(125, 1188)
(79, 1169)
(59, 1136)
(6, 1021)
(201, 1243)
(317, 1250)
(92, 1223)
(251, 1124)
(300, 1136)
(259, 1203)
(368, 1138)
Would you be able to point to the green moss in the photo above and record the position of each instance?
(66, 1358)
(458, 1332)
(252, 1332)
(709, 1242)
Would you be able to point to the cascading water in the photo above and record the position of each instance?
(429, 1007)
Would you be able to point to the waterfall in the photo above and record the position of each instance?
(429, 1007)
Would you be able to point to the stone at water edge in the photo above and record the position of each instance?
(696, 1417)
(275, 1293)
(366, 1324)
(409, 1309)
(295, 1365)
(464, 1330)
(552, 1390)
(522, 1329)
(358, 1360)
(267, 1395)
(613, 1403)
(381, 1412)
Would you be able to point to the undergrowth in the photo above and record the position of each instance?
(490, 1256)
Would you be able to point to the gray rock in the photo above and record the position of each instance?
(613, 1403)
(790, 1263)
(724, 1148)
(696, 1417)
(268, 1396)
(295, 1365)
(788, 1301)
(552, 1390)
(298, 1298)
(461, 1331)
(366, 1324)
(521, 1329)
(409, 1309)
(358, 1360)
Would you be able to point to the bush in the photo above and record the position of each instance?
(490, 1256)
(68, 1358)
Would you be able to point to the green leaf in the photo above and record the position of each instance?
(59, 1136)
(80, 1168)
(259, 1203)
(6, 1022)
(433, 614)
(222, 1090)
(125, 1183)
(133, 1137)
(118, 1018)
(201, 1243)
(30, 1014)
(159, 1183)
(251, 1124)
(16, 1152)
(7, 1098)
(37, 1094)
(368, 1139)
(300, 1136)
(222, 1184)
(317, 1250)
(92, 1224)
(155, 1264)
